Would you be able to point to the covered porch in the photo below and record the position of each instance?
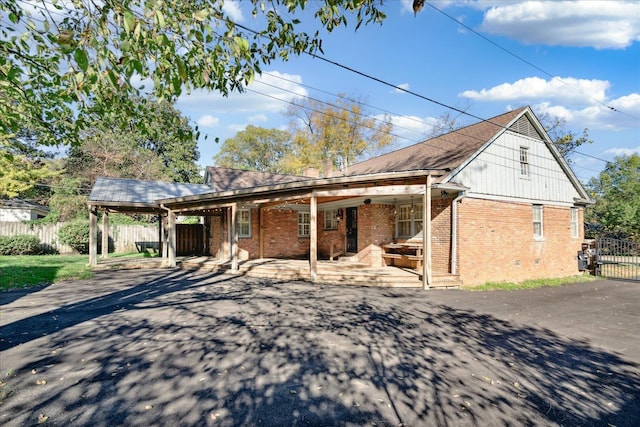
(278, 230)
(253, 221)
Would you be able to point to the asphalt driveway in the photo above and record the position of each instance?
(172, 347)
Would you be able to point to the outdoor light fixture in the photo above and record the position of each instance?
(412, 208)
(395, 207)
(339, 215)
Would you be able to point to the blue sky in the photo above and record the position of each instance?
(578, 60)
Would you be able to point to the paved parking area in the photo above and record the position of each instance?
(172, 347)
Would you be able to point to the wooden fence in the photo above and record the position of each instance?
(122, 238)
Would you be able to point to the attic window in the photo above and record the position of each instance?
(524, 162)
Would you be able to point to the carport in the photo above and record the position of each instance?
(134, 196)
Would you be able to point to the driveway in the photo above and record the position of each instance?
(172, 347)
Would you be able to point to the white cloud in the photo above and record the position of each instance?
(208, 121)
(258, 118)
(602, 24)
(232, 8)
(566, 89)
(269, 93)
(624, 114)
(404, 86)
(410, 129)
(623, 151)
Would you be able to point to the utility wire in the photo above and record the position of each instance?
(520, 58)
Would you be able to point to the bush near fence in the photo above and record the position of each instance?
(125, 238)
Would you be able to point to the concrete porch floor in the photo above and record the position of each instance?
(331, 272)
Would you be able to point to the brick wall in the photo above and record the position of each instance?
(376, 225)
(441, 235)
(280, 235)
(496, 243)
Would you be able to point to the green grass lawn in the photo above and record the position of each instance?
(530, 284)
(23, 271)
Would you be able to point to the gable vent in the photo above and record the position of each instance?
(524, 127)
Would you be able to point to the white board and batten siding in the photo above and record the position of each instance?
(496, 172)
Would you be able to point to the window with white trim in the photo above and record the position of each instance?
(537, 221)
(304, 224)
(331, 219)
(409, 220)
(524, 162)
(243, 226)
(575, 232)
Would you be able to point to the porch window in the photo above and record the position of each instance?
(304, 224)
(575, 233)
(409, 223)
(537, 221)
(244, 223)
(524, 162)
(331, 219)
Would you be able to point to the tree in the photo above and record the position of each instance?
(64, 63)
(334, 134)
(167, 152)
(256, 148)
(565, 140)
(22, 166)
(617, 194)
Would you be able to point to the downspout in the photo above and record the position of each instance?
(454, 231)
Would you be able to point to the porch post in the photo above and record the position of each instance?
(105, 235)
(426, 235)
(171, 244)
(261, 231)
(93, 236)
(313, 239)
(160, 240)
(234, 238)
(165, 231)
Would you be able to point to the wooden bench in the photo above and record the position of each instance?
(335, 252)
(404, 253)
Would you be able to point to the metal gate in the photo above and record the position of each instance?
(617, 259)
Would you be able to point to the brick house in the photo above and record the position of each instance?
(493, 201)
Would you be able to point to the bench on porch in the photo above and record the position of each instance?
(403, 255)
(335, 252)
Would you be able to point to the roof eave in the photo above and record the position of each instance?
(302, 186)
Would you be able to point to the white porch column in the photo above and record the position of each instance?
(426, 235)
(171, 243)
(313, 239)
(105, 235)
(93, 236)
(234, 237)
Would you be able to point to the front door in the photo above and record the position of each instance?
(352, 229)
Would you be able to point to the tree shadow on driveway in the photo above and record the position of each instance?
(190, 349)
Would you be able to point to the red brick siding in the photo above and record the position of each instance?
(376, 226)
(329, 238)
(281, 235)
(496, 243)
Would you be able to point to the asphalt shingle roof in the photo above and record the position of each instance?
(226, 179)
(446, 151)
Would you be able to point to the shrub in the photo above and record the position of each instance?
(76, 235)
(22, 244)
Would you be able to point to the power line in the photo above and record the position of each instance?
(520, 58)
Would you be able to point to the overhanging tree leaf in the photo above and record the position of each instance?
(110, 42)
